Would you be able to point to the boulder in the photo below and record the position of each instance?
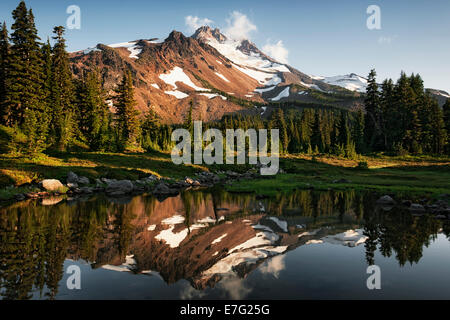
(52, 185)
(87, 190)
(72, 177)
(122, 187)
(386, 200)
(417, 208)
(72, 185)
(162, 189)
(83, 181)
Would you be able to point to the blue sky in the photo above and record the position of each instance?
(323, 37)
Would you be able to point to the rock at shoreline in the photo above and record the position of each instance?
(417, 208)
(52, 185)
(117, 188)
(163, 190)
(83, 180)
(386, 200)
(74, 180)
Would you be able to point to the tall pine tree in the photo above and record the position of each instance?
(128, 122)
(4, 55)
(93, 110)
(63, 116)
(372, 105)
(25, 94)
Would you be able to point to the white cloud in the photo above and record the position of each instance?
(239, 26)
(277, 51)
(194, 23)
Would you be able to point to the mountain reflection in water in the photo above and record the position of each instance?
(212, 239)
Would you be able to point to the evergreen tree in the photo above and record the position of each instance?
(280, 124)
(373, 111)
(25, 95)
(128, 122)
(93, 110)
(446, 114)
(63, 116)
(4, 55)
(189, 122)
(390, 114)
(359, 132)
(438, 132)
(316, 138)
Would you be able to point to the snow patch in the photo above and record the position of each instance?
(282, 94)
(265, 89)
(154, 85)
(350, 82)
(213, 95)
(177, 94)
(131, 46)
(281, 224)
(178, 75)
(222, 76)
(219, 239)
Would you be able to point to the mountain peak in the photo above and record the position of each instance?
(176, 36)
(206, 33)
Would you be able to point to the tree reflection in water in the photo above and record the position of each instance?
(35, 239)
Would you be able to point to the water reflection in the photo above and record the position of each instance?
(209, 238)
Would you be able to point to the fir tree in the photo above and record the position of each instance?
(280, 124)
(63, 116)
(93, 110)
(446, 114)
(25, 95)
(4, 55)
(372, 105)
(189, 122)
(128, 122)
(359, 132)
(438, 131)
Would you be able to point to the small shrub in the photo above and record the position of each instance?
(363, 165)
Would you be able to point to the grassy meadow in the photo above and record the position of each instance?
(408, 174)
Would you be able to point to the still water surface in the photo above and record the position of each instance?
(216, 245)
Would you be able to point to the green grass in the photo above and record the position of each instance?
(305, 174)
(22, 170)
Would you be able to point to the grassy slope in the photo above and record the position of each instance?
(407, 174)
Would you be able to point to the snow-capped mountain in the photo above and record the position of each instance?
(352, 82)
(219, 74)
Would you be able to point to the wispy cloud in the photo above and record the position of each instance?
(193, 23)
(277, 51)
(239, 26)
